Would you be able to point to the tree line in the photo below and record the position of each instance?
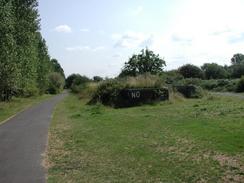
(26, 68)
(149, 62)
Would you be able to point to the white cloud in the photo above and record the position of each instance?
(132, 39)
(138, 10)
(63, 29)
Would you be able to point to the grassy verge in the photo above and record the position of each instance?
(185, 141)
(8, 109)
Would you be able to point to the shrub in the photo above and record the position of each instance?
(75, 79)
(240, 85)
(214, 71)
(190, 91)
(79, 83)
(237, 70)
(171, 77)
(97, 78)
(56, 83)
(107, 92)
(191, 71)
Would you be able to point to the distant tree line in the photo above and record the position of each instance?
(26, 68)
(215, 71)
(148, 62)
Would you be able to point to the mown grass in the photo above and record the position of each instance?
(8, 109)
(178, 141)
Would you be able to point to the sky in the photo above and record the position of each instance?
(96, 38)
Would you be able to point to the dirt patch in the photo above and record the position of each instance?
(234, 169)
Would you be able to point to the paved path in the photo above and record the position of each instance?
(228, 94)
(23, 140)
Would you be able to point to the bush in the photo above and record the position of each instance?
(221, 85)
(171, 77)
(190, 91)
(214, 71)
(56, 83)
(237, 70)
(191, 71)
(240, 85)
(75, 79)
(107, 93)
(97, 78)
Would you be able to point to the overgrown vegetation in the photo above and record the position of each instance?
(25, 64)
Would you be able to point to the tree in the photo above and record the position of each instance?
(80, 80)
(57, 67)
(70, 79)
(26, 26)
(237, 70)
(75, 79)
(190, 71)
(9, 73)
(44, 65)
(214, 71)
(237, 59)
(56, 83)
(97, 78)
(145, 62)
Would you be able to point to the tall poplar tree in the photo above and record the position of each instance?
(26, 27)
(9, 72)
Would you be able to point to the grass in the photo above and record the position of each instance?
(178, 141)
(8, 109)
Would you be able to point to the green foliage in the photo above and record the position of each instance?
(240, 85)
(44, 65)
(190, 91)
(237, 59)
(56, 67)
(237, 70)
(214, 71)
(24, 61)
(26, 28)
(69, 80)
(97, 78)
(9, 72)
(56, 83)
(107, 92)
(79, 83)
(171, 77)
(190, 71)
(145, 62)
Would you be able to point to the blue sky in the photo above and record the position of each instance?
(93, 37)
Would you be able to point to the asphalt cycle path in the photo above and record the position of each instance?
(23, 141)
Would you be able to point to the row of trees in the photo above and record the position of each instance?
(148, 62)
(215, 71)
(25, 65)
